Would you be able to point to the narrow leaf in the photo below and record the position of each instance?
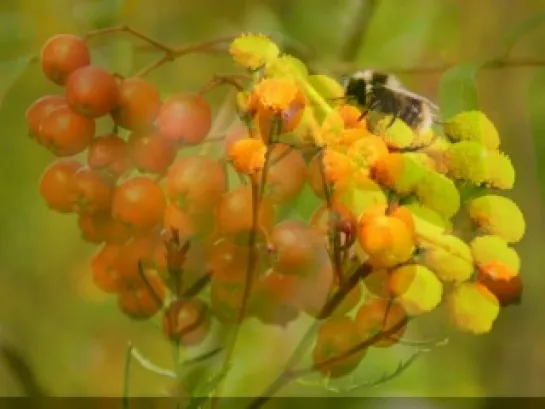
(514, 34)
(457, 91)
(10, 71)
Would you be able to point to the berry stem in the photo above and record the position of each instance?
(333, 231)
(175, 53)
(257, 188)
(126, 375)
(127, 29)
(288, 374)
(224, 79)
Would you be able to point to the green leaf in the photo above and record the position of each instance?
(10, 71)
(536, 98)
(457, 91)
(514, 34)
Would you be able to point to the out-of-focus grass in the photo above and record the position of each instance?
(73, 335)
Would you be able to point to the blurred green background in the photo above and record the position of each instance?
(74, 337)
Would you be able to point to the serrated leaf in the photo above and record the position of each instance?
(514, 34)
(457, 90)
(10, 71)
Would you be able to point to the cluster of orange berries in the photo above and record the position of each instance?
(174, 228)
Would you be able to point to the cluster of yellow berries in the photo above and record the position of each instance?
(404, 187)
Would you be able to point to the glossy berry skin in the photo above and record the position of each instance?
(55, 185)
(141, 301)
(92, 192)
(38, 110)
(195, 184)
(138, 106)
(337, 336)
(187, 321)
(66, 133)
(92, 91)
(61, 55)
(109, 154)
(139, 202)
(185, 118)
(151, 153)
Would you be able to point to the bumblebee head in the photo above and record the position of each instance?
(356, 88)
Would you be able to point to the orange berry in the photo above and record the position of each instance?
(187, 321)
(185, 118)
(140, 300)
(38, 110)
(139, 104)
(109, 154)
(61, 55)
(337, 336)
(92, 192)
(501, 281)
(138, 202)
(92, 91)
(379, 314)
(55, 185)
(151, 152)
(66, 133)
(195, 184)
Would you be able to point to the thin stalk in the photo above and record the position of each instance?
(126, 376)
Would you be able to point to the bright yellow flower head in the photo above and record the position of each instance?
(473, 126)
(276, 94)
(285, 66)
(467, 160)
(492, 248)
(338, 168)
(499, 216)
(500, 171)
(439, 193)
(450, 259)
(362, 194)
(438, 151)
(398, 135)
(472, 308)
(366, 151)
(400, 172)
(416, 287)
(428, 219)
(253, 50)
(248, 155)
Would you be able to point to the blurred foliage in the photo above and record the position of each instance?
(73, 335)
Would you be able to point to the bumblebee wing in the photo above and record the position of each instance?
(395, 86)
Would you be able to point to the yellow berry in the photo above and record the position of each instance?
(472, 126)
(472, 308)
(416, 287)
(450, 259)
(499, 216)
(491, 248)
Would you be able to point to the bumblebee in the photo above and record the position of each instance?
(383, 93)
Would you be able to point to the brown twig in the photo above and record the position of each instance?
(178, 52)
(225, 79)
(333, 230)
(126, 29)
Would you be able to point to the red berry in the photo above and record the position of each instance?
(337, 336)
(105, 274)
(187, 321)
(195, 184)
(109, 153)
(234, 214)
(151, 152)
(139, 104)
(39, 109)
(92, 91)
(287, 174)
(92, 192)
(65, 132)
(138, 202)
(185, 118)
(502, 281)
(55, 185)
(61, 55)
(141, 298)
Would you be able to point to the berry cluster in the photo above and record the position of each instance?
(178, 236)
